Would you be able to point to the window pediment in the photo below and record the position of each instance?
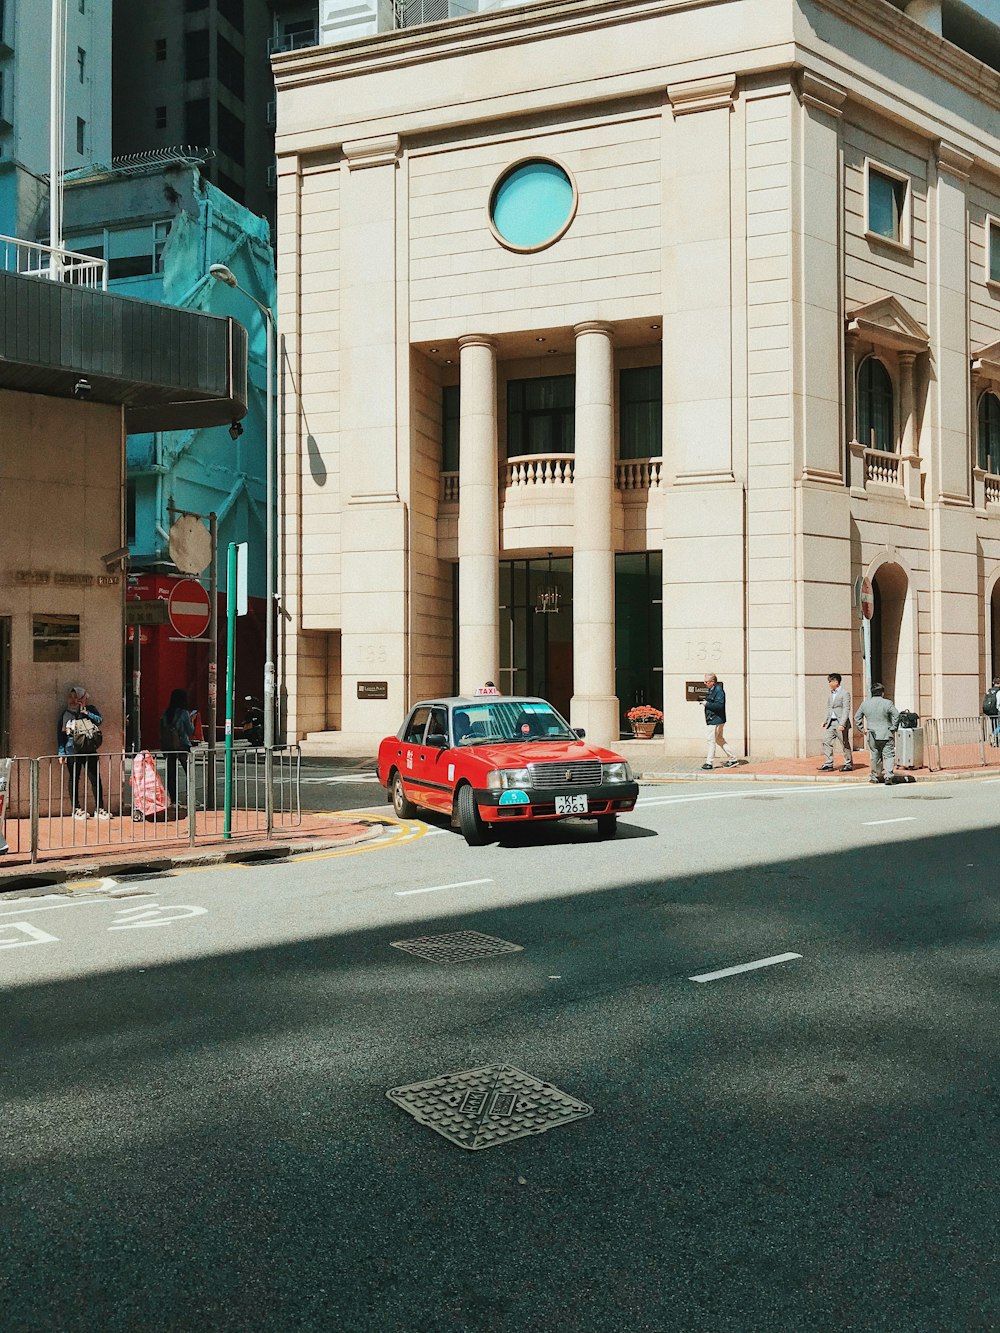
(986, 363)
(885, 323)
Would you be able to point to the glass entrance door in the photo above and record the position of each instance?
(536, 629)
(638, 630)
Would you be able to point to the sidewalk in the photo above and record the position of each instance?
(649, 761)
(98, 848)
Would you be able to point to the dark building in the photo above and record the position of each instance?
(198, 72)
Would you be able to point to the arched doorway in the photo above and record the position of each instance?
(894, 636)
(993, 631)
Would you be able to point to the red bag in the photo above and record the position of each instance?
(149, 796)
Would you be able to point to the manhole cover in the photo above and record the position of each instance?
(481, 1108)
(458, 946)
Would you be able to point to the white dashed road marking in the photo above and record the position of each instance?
(745, 967)
(903, 819)
(436, 888)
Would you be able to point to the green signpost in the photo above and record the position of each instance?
(236, 605)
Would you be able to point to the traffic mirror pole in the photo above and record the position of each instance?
(227, 824)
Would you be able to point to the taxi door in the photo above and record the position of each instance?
(434, 773)
(408, 754)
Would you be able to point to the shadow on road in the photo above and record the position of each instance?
(206, 1145)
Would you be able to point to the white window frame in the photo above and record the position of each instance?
(992, 230)
(905, 242)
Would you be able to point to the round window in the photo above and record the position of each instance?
(532, 204)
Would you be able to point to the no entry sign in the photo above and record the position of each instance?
(188, 609)
(867, 599)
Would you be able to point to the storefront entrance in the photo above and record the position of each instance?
(536, 629)
(638, 631)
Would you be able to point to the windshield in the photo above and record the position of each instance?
(508, 720)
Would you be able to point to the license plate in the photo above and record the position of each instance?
(571, 805)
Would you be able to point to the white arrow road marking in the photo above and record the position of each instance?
(153, 915)
(745, 967)
(35, 936)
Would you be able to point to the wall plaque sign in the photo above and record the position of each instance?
(695, 691)
(373, 689)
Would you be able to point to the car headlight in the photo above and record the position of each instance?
(501, 778)
(616, 772)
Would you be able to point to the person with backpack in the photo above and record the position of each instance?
(176, 737)
(79, 738)
(991, 709)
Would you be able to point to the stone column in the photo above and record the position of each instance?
(374, 533)
(478, 516)
(594, 705)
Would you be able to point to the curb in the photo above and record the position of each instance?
(61, 872)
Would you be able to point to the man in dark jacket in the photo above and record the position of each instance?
(715, 721)
(991, 709)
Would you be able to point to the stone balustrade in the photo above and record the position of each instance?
(638, 474)
(883, 467)
(551, 470)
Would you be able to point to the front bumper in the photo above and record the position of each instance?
(611, 798)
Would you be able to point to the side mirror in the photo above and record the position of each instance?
(580, 733)
(437, 742)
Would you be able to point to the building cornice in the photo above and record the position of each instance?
(879, 19)
(490, 30)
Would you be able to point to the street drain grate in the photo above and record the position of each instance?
(482, 1108)
(458, 946)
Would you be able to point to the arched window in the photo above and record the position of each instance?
(989, 433)
(875, 406)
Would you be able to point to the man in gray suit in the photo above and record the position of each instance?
(880, 718)
(837, 725)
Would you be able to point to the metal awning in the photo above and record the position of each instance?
(170, 369)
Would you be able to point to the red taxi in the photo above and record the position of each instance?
(496, 761)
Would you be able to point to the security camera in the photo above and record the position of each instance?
(235, 430)
(82, 389)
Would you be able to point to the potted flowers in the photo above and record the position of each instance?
(644, 718)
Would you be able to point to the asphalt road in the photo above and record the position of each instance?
(341, 784)
(196, 1136)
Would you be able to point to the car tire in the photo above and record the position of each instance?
(402, 806)
(607, 827)
(473, 828)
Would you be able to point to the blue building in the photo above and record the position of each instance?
(161, 226)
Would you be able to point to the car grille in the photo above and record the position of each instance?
(573, 773)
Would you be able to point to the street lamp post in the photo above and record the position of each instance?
(223, 274)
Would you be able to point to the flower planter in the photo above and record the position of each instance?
(643, 731)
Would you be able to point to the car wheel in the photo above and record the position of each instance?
(607, 826)
(473, 829)
(401, 803)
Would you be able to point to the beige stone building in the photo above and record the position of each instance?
(620, 338)
(79, 369)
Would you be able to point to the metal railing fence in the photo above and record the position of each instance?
(34, 260)
(961, 742)
(81, 802)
